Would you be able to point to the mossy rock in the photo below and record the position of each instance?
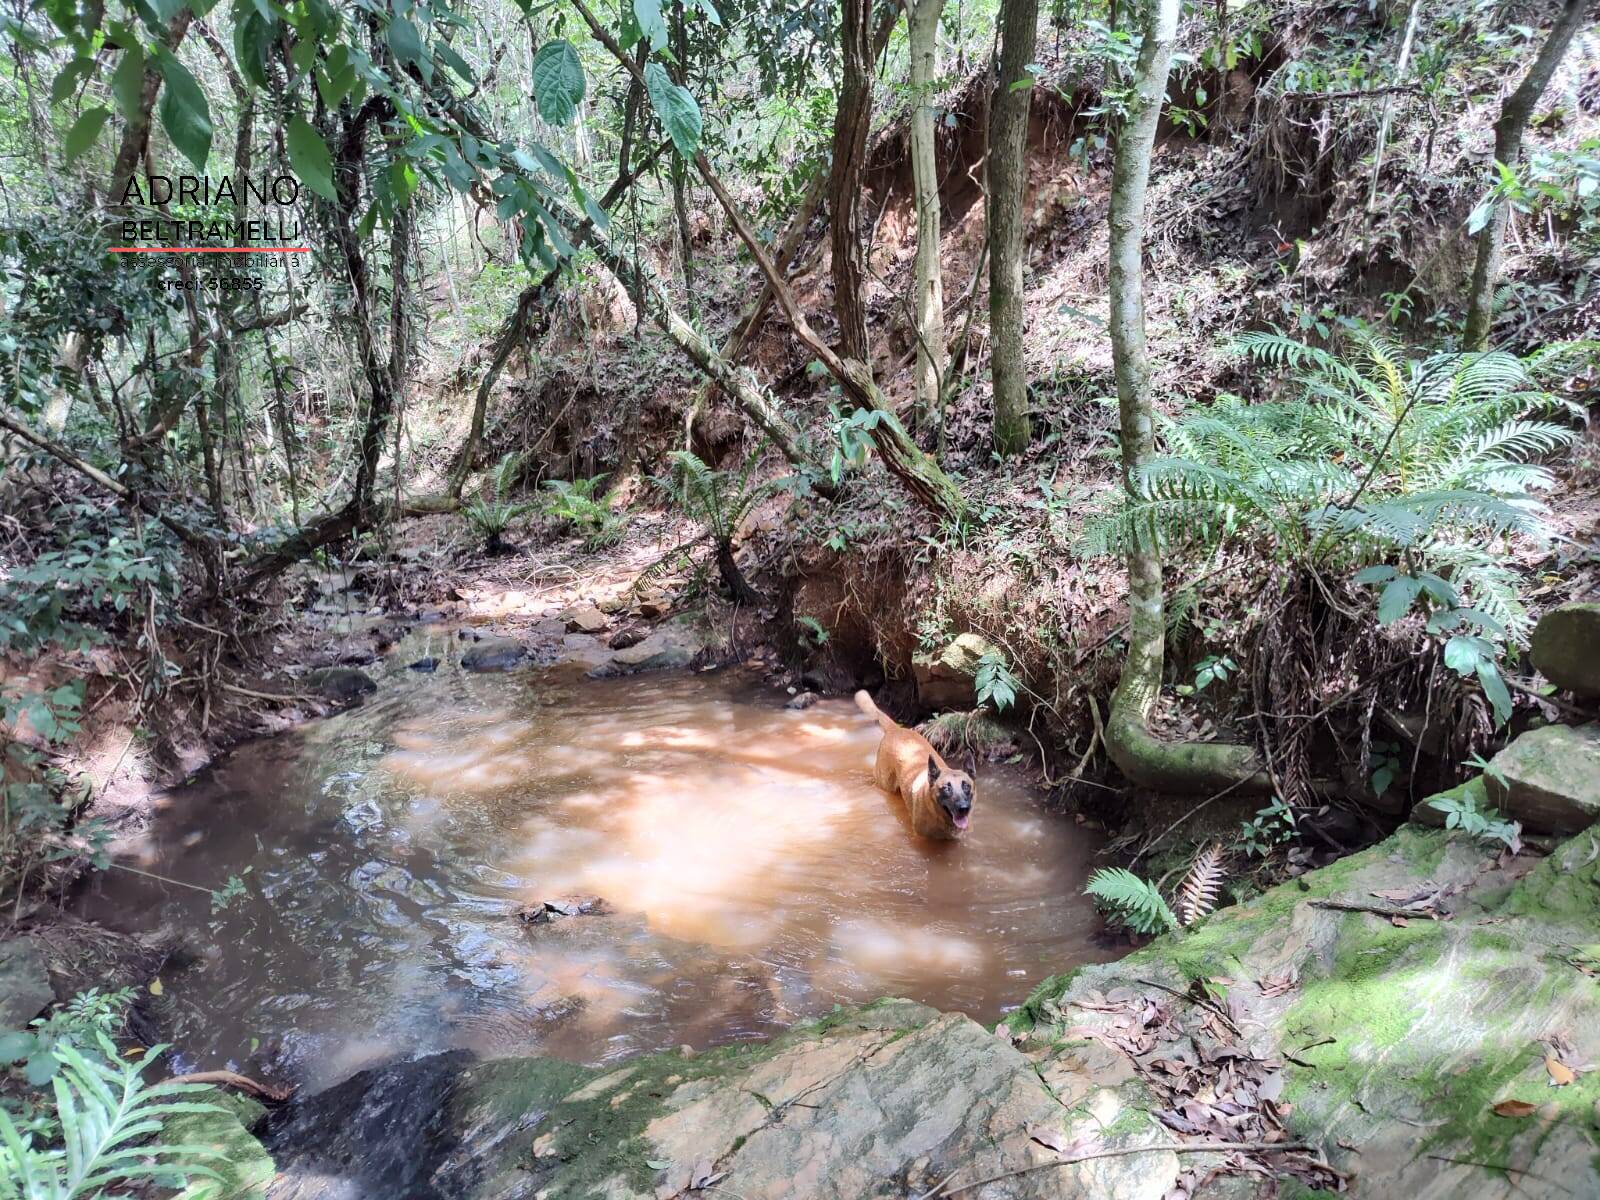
(1566, 647)
(244, 1169)
(1549, 778)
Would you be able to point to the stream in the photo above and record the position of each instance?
(751, 876)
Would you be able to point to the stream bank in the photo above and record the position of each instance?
(1418, 1019)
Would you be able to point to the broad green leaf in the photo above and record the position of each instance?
(67, 81)
(558, 83)
(85, 130)
(455, 62)
(251, 37)
(405, 41)
(308, 155)
(127, 81)
(1396, 599)
(402, 182)
(1494, 688)
(679, 113)
(1378, 574)
(1463, 655)
(185, 114)
(16, 1046)
(651, 26)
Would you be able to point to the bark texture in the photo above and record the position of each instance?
(1008, 177)
(1515, 113)
(923, 24)
(851, 121)
(1143, 758)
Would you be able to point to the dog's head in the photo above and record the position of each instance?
(952, 790)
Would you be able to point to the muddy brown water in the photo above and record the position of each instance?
(753, 874)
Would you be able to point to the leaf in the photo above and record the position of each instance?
(658, 1164)
(308, 155)
(85, 131)
(558, 83)
(1514, 1108)
(127, 81)
(155, 987)
(16, 1046)
(67, 81)
(648, 14)
(185, 113)
(679, 113)
(1560, 1074)
(41, 1069)
(1396, 599)
(1494, 688)
(405, 41)
(1462, 654)
(1378, 574)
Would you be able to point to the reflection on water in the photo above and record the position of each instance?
(753, 875)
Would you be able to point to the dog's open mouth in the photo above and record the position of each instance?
(959, 820)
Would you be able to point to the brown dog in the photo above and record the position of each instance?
(938, 798)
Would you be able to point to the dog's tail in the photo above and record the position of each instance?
(865, 704)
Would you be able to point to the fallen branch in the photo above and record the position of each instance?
(1157, 1148)
(1376, 910)
(262, 1091)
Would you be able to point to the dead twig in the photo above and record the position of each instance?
(1377, 910)
(263, 1091)
(1157, 1148)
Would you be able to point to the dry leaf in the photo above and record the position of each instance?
(1560, 1073)
(1399, 921)
(155, 987)
(1515, 1108)
(1046, 1136)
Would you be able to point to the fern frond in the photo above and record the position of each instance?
(1132, 900)
(1202, 886)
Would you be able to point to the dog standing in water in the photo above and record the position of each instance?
(938, 797)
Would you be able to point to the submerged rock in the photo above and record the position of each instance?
(426, 666)
(1549, 778)
(341, 685)
(494, 654)
(1566, 647)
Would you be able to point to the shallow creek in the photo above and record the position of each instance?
(752, 876)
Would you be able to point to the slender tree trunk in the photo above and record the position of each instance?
(923, 26)
(1515, 113)
(915, 471)
(1137, 753)
(851, 122)
(680, 175)
(1008, 177)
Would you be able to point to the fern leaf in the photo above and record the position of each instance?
(1132, 900)
(1202, 885)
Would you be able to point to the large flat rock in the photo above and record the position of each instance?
(1549, 778)
(24, 983)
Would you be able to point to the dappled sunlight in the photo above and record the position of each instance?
(400, 863)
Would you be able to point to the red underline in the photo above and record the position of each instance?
(210, 249)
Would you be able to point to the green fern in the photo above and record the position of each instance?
(491, 514)
(719, 500)
(108, 1117)
(1383, 455)
(1132, 901)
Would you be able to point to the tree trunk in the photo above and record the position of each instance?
(919, 474)
(923, 26)
(1515, 113)
(1140, 756)
(851, 121)
(1008, 177)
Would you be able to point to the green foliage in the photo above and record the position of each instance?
(680, 115)
(580, 505)
(309, 156)
(109, 1125)
(1132, 901)
(558, 82)
(80, 1022)
(718, 500)
(1461, 812)
(491, 514)
(1270, 828)
(1384, 456)
(993, 681)
(813, 633)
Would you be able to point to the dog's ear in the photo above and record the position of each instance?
(969, 762)
(933, 769)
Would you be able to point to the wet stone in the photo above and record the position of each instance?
(341, 685)
(494, 654)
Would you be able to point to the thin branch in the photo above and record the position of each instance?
(1156, 1148)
